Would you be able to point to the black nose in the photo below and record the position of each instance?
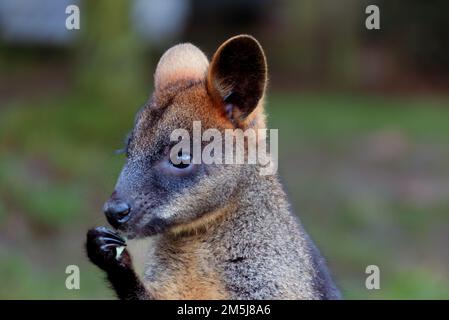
(117, 212)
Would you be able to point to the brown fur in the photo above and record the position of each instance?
(225, 231)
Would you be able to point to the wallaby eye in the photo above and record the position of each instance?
(182, 160)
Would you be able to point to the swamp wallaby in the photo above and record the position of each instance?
(185, 230)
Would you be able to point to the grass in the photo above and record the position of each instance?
(342, 116)
(368, 176)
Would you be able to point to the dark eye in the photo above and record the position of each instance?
(182, 160)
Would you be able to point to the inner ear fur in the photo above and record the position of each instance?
(237, 75)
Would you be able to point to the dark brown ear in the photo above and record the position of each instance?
(237, 76)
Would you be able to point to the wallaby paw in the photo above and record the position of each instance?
(105, 248)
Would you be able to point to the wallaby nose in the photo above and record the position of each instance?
(117, 212)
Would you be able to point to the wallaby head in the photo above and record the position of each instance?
(153, 194)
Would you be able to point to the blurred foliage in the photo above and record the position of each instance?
(418, 32)
(110, 56)
(368, 176)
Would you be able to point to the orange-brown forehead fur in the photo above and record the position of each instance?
(177, 107)
(193, 103)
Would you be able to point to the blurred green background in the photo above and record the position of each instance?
(363, 119)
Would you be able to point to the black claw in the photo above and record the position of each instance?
(111, 240)
(107, 246)
(110, 233)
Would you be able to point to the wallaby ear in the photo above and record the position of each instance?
(237, 76)
(181, 62)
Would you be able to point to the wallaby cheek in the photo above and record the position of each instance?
(209, 194)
